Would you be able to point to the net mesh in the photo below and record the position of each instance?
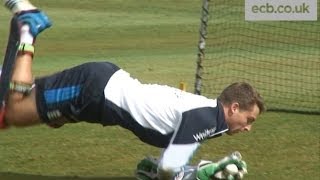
(280, 58)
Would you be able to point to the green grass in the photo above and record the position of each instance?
(156, 41)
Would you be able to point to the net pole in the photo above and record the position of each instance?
(201, 46)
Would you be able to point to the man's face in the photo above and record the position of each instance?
(240, 120)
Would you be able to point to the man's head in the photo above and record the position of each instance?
(242, 104)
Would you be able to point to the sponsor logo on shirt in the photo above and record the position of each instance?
(204, 134)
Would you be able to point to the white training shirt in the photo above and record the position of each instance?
(163, 116)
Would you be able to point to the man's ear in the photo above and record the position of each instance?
(234, 107)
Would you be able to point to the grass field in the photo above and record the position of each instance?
(156, 41)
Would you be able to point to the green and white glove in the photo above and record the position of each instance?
(208, 170)
(232, 171)
(147, 169)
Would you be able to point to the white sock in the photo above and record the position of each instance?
(25, 36)
(18, 5)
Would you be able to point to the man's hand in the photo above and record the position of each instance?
(235, 173)
(147, 169)
(208, 170)
(35, 19)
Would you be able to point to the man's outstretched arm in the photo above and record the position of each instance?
(148, 169)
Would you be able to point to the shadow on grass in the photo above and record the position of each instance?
(16, 176)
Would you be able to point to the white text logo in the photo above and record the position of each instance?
(281, 10)
(204, 134)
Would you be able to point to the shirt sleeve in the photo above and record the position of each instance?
(195, 126)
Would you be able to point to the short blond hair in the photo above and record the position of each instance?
(244, 94)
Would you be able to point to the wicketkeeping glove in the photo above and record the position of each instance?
(147, 169)
(234, 174)
(36, 19)
(207, 169)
